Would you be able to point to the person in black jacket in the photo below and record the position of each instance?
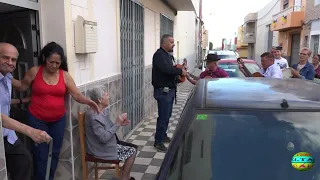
(164, 82)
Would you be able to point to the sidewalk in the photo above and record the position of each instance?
(148, 160)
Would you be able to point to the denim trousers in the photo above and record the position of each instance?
(165, 103)
(40, 151)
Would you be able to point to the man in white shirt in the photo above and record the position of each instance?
(280, 61)
(269, 68)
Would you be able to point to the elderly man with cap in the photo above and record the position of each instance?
(212, 70)
(280, 61)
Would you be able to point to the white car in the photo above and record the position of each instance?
(225, 54)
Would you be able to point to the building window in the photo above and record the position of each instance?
(166, 26)
(315, 44)
(316, 2)
(285, 4)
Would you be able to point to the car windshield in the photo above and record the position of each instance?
(239, 145)
(233, 69)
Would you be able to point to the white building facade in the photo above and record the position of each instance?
(126, 34)
(265, 38)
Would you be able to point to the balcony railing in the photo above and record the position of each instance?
(288, 10)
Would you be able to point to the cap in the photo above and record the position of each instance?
(279, 48)
(212, 58)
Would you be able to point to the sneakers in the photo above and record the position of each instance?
(167, 140)
(160, 147)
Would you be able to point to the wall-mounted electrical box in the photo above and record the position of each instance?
(86, 36)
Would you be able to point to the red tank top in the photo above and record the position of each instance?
(47, 101)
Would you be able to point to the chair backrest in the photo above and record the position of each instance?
(81, 121)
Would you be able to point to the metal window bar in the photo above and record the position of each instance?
(166, 26)
(132, 60)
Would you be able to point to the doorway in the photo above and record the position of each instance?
(295, 49)
(19, 27)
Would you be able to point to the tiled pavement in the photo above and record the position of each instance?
(148, 160)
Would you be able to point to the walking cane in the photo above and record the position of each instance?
(49, 160)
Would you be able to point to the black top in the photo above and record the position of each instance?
(163, 72)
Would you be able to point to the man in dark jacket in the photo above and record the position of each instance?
(164, 82)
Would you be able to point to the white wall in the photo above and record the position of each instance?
(186, 35)
(105, 62)
(264, 18)
(52, 24)
(150, 47)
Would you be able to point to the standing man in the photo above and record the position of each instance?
(304, 69)
(164, 76)
(280, 61)
(212, 70)
(18, 159)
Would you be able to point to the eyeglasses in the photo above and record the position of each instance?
(303, 54)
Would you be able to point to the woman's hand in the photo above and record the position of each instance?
(122, 120)
(94, 106)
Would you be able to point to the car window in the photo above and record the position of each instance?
(233, 69)
(247, 145)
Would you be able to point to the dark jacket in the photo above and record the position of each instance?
(163, 71)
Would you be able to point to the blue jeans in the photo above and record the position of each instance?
(40, 151)
(165, 103)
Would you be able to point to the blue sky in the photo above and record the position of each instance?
(222, 18)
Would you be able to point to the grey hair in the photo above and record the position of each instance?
(164, 38)
(96, 93)
(307, 49)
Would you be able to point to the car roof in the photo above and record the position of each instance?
(222, 52)
(261, 93)
(235, 61)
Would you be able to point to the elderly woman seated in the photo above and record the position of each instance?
(101, 138)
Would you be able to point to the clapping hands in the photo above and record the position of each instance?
(122, 120)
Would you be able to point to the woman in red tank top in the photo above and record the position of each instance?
(50, 83)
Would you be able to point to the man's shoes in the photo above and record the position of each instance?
(167, 140)
(160, 147)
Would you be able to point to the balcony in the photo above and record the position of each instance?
(180, 5)
(251, 17)
(287, 19)
(249, 32)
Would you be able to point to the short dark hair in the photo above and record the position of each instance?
(164, 38)
(268, 55)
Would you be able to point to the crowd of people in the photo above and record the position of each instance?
(50, 82)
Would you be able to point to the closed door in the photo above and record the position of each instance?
(132, 61)
(270, 38)
(295, 49)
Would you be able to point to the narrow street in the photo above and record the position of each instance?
(148, 161)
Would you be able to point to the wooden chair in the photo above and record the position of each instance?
(85, 157)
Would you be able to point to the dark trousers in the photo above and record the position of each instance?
(165, 103)
(18, 160)
(40, 151)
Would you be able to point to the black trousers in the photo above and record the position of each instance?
(18, 160)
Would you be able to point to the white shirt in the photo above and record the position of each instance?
(282, 63)
(299, 67)
(272, 71)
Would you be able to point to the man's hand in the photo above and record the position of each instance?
(39, 136)
(184, 72)
(295, 73)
